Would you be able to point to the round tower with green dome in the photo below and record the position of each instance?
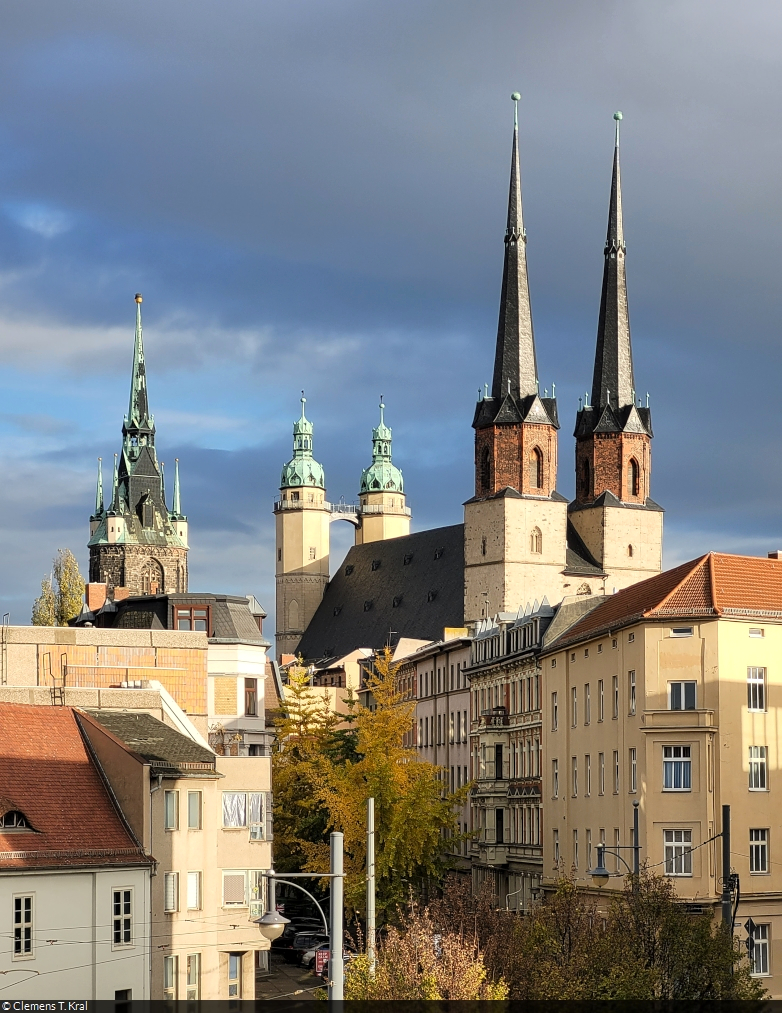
(383, 512)
(302, 518)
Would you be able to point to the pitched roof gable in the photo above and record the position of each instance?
(47, 773)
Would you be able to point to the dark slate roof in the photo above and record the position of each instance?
(155, 742)
(415, 599)
(579, 560)
(608, 499)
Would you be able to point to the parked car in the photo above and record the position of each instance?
(302, 942)
(309, 958)
(289, 933)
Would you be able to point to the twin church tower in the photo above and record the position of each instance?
(522, 539)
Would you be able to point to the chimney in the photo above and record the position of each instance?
(95, 596)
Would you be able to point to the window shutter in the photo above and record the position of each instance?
(233, 888)
(171, 891)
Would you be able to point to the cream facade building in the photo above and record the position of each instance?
(667, 693)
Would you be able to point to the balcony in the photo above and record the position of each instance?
(496, 717)
(679, 720)
(525, 787)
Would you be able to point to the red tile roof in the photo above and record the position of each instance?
(47, 774)
(713, 585)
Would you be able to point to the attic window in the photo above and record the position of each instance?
(630, 638)
(375, 564)
(408, 559)
(348, 569)
(681, 631)
(397, 601)
(754, 632)
(337, 609)
(193, 619)
(368, 605)
(438, 552)
(14, 820)
(431, 596)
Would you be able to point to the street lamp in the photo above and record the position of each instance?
(600, 874)
(273, 922)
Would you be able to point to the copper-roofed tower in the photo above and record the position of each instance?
(613, 512)
(135, 541)
(515, 525)
(383, 511)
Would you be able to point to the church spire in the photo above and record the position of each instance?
(99, 490)
(613, 382)
(138, 417)
(515, 365)
(176, 506)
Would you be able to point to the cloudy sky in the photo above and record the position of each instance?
(311, 194)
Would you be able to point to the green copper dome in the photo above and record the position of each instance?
(302, 469)
(381, 475)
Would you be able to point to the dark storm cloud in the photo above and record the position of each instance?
(312, 194)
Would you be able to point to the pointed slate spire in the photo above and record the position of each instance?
(163, 481)
(138, 410)
(176, 506)
(99, 490)
(115, 485)
(613, 380)
(515, 365)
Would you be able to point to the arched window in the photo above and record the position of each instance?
(536, 469)
(293, 615)
(152, 578)
(486, 470)
(629, 550)
(483, 546)
(585, 482)
(634, 478)
(536, 540)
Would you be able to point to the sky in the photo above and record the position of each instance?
(311, 194)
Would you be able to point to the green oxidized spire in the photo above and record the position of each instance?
(302, 469)
(138, 410)
(114, 486)
(381, 475)
(99, 490)
(176, 506)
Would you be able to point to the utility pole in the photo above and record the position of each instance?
(336, 959)
(371, 884)
(636, 847)
(727, 914)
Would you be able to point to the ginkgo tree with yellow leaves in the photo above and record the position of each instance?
(326, 767)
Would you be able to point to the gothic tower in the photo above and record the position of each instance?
(613, 512)
(136, 542)
(302, 518)
(516, 524)
(382, 509)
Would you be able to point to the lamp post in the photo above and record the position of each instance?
(600, 874)
(272, 924)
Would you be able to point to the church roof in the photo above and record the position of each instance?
(712, 586)
(412, 586)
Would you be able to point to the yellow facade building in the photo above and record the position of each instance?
(669, 693)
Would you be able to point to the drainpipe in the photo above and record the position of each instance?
(152, 791)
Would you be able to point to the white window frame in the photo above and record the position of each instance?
(601, 763)
(682, 631)
(199, 795)
(758, 852)
(616, 772)
(194, 891)
(556, 846)
(573, 707)
(758, 768)
(193, 977)
(123, 919)
(587, 704)
(600, 700)
(677, 852)
(555, 778)
(245, 899)
(756, 688)
(761, 939)
(587, 776)
(167, 795)
(554, 712)
(235, 982)
(171, 976)
(682, 683)
(633, 769)
(23, 926)
(615, 697)
(574, 775)
(677, 759)
(631, 688)
(170, 878)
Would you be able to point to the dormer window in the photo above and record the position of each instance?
(14, 820)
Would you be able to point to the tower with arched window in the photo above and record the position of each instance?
(613, 511)
(382, 511)
(136, 541)
(516, 544)
(302, 518)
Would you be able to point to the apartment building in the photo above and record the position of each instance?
(668, 694)
(207, 821)
(74, 879)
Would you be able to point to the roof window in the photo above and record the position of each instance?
(431, 596)
(439, 552)
(337, 609)
(349, 569)
(408, 559)
(368, 605)
(375, 564)
(14, 820)
(397, 601)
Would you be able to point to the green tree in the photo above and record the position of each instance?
(62, 594)
(45, 605)
(414, 811)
